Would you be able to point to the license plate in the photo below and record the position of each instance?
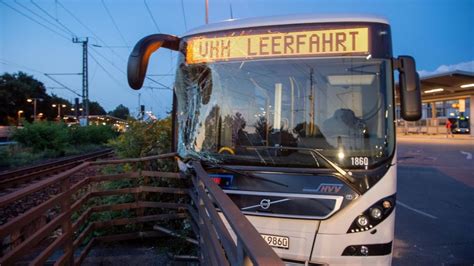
(277, 241)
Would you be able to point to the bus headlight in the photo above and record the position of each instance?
(362, 221)
(374, 215)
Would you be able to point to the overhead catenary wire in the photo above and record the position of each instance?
(105, 70)
(36, 21)
(58, 32)
(63, 29)
(78, 20)
(151, 15)
(113, 22)
(184, 16)
(120, 84)
(105, 44)
(53, 18)
(7, 62)
(54, 25)
(124, 73)
(62, 84)
(158, 101)
(97, 37)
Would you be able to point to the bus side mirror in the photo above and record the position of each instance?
(138, 59)
(410, 92)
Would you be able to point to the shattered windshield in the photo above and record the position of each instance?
(276, 112)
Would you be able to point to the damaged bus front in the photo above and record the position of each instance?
(294, 118)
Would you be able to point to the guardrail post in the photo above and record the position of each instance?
(240, 252)
(66, 226)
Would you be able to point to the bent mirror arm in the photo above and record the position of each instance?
(138, 59)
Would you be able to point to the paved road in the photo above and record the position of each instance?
(435, 213)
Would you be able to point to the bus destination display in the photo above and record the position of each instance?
(351, 41)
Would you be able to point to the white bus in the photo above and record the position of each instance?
(294, 118)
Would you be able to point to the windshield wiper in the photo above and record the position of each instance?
(341, 171)
(348, 178)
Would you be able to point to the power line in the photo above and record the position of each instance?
(113, 22)
(55, 19)
(36, 21)
(151, 15)
(231, 13)
(158, 100)
(109, 61)
(90, 30)
(6, 62)
(124, 73)
(105, 70)
(159, 83)
(105, 44)
(61, 84)
(40, 17)
(184, 16)
(78, 20)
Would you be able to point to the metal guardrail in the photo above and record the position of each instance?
(71, 230)
(217, 245)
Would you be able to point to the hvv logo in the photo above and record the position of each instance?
(329, 188)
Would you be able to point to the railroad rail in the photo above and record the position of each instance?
(10, 179)
(150, 193)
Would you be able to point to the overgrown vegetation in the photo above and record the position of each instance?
(43, 140)
(144, 139)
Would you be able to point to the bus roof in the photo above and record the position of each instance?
(283, 20)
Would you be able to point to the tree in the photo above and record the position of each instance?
(120, 111)
(15, 89)
(96, 109)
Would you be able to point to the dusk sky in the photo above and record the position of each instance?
(439, 34)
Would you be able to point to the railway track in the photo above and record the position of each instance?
(11, 180)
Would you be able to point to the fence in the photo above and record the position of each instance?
(193, 198)
(423, 126)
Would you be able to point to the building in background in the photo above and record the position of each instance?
(117, 123)
(448, 95)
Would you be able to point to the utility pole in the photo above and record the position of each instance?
(85, 79)
(207, 11)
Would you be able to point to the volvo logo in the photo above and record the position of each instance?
(265, 204)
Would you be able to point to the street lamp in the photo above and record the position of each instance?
(19, 116)
(59, 109)
(33, 100)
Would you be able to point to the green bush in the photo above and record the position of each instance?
(144, 138)
(44, 136)
(91, 135)
(40, 140)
